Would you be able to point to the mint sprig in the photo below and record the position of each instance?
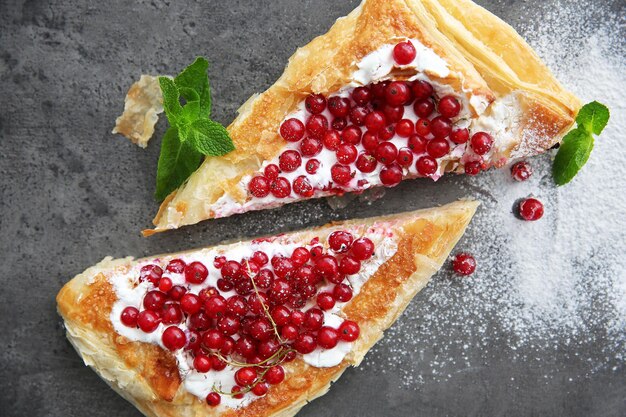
(192, 134)
(578, 143)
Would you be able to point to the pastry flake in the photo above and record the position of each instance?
(142, 106)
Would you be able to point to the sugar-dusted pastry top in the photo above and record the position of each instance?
(471, 94)
(170, 333)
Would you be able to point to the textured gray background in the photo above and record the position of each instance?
(72, 193)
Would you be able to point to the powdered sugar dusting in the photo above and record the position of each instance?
(556, 285)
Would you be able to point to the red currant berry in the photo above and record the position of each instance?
(213, 339)
(459, 136)
(289, 332)
(275, 375)
(341, 174)
(349, 331)
(397, 93)
(449, 106)
(349, 265)
(521, 171)
(342, 293)
(351, 135)
(280, 315)
(531, 209)
(154, 300)
(346, 153)
(202, 363)
(404, 128)
(358, 115)
(340, 241)
(148, 321)
(292, 130)
(271, 171)
(312, 166)
(339, 106)
(260, 389)
(391, 175)
(362, 249)
(393, 114)
(190, 303)
(332, 140)
(213, 399)
(386, 152)
(404, 53)
(305, 343)
(315, 103)
(417, 144)
(176, 266)
(366, 163)
(317, 125)
(165, 284)
(339, 123)
(150, 273)
(361, 96)
(259, 187)
(280, 187)
(327, 337)
(174, 338)
(375, 121)
(245, 376)
(215, 306)
(302, 186)
(327, 267)
(438, 147)
(473, 168)
(481, 143)
(325, 300)
(464, 264)
(422, 127)
(196, 273)
(289, 161)
(424, 107)
(310, 147)
(129, 316)
(440, 127)
(426, 166)
(260, 258)
(172, 314)
(421, 89)
(405, 157)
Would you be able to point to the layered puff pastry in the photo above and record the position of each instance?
(278, 349)
(397, 89)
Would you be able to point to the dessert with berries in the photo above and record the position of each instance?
(254, 328)
(448, 87)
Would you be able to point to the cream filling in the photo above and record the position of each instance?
(201, 384)
(377, 66)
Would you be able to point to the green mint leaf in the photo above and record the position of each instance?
(177, 161)
(572, 155)
(193, 84)
(171, 100)
(190, 113)
(210, 138)
(593, 117)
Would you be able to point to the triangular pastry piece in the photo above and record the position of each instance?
(280, 318)
(448, 87)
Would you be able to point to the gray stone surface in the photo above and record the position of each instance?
(72, 193)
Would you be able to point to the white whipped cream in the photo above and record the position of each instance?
(378, 65)
(130, 293)
(374, 67)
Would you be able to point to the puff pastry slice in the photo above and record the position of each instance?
(357, 108)
(161, 375)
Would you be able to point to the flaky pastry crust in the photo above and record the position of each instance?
(147, 376)
(486, 58)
